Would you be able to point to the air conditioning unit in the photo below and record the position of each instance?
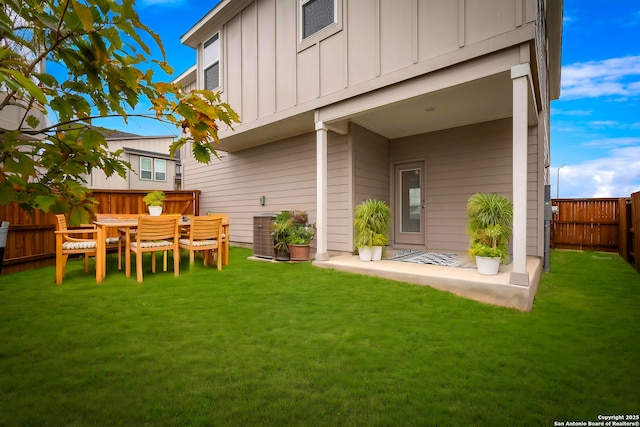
(262, 237)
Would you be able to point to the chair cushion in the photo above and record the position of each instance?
(198, 242)
(112, 240)
(79, 245)
(157, 244)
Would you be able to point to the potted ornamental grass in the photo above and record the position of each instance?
(490, 216)
(372, 219)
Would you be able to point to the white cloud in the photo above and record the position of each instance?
(613, 142)
(609, 77)
(617, 175)
(557, 112)
(169, 3)
(604, 124)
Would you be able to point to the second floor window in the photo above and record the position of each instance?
(153, 169)
(212, 63)
(316, 16)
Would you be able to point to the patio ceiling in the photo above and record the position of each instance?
(484, 99)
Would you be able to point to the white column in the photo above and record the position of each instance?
(321, 167)
(520, 76)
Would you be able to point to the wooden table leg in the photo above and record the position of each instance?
(127, 252)
(101, 254)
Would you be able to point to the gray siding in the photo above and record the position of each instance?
(285, 173)
(267, 71)
(460, 162)
(371, 165)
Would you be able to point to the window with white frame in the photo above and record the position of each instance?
(212, 63)
(153, 169)
(316, 15)
(160, 168)
(146, 168)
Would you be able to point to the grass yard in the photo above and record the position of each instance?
(275, 344)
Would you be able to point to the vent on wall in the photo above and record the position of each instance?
(262, 237)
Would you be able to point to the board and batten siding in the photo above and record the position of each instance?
(284, 172)
(460, 162)
(380, 42)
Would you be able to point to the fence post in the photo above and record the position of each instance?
(4, 230)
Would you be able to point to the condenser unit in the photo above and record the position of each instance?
(262, 237)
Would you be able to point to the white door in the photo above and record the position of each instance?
(409, 224)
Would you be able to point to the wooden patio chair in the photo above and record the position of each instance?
(204, 235)
(224, 239)
(156, 234)
(67, 245)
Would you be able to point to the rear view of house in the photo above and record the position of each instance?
(420, 103)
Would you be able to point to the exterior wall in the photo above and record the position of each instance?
(284, 172)
(160, 145)
(265, 70)
(460, 162)
(371, 166)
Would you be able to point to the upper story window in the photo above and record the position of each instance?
(153, 169)
(212, 63)
(317, 15)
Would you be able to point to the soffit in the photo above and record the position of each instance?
(481, 100)
(213, 21)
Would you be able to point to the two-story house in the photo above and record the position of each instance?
(151, 166)
(421, 103)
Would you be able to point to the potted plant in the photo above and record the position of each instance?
(292, 236)
(490, 216)
(280, 231)
(372, 220)
(299, 242)
(154, 201)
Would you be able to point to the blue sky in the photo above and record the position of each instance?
(595, 125)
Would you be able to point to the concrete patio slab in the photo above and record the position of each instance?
(463, 281)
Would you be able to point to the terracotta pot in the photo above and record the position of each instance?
(299, 252)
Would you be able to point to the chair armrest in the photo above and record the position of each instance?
(78, 231)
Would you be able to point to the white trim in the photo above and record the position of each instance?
(321, 165)
(520, 79)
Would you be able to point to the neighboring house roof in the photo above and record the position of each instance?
(116, 134)
(151, 153)
(188, 76)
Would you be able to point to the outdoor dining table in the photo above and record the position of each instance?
(104, 224)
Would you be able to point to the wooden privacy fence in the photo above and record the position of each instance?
(31, 242)
(606, 224)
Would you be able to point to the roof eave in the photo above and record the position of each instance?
(554, 31)
(213, 21)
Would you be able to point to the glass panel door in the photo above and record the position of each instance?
(410, 204)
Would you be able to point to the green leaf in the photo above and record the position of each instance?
(201, 153)
(32, 121)
(84, 14)
(45, 202)
(27, 84)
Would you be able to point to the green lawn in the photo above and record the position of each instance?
(277, 344)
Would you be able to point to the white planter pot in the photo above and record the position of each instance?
(376, 254)
(487, 266)
(155, 210)
(365, 253)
